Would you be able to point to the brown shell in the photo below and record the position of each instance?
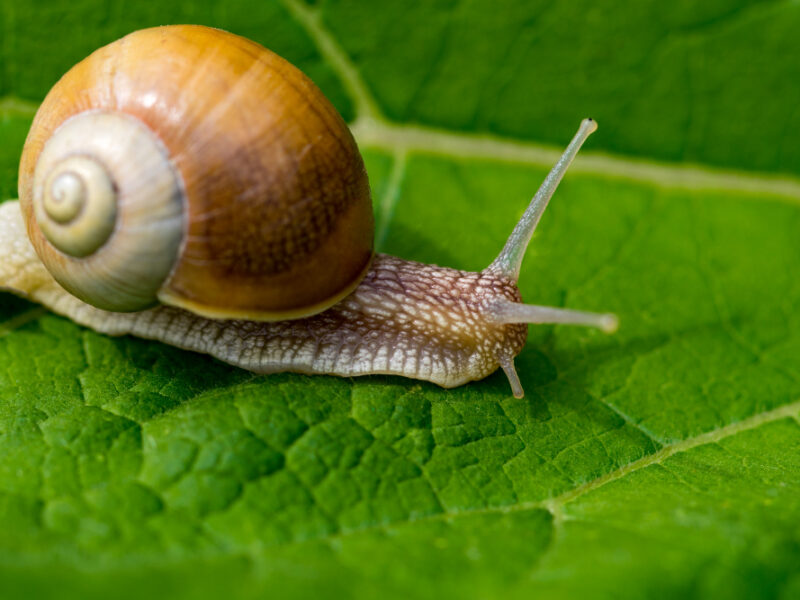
(279, 212)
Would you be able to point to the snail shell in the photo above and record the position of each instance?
(190, 166)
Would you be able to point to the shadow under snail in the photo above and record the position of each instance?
(187, 185)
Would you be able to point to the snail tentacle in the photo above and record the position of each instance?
(509, 261)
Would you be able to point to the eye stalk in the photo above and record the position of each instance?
(509, 262)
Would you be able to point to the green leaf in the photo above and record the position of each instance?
(663, 461)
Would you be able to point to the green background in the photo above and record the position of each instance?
(662, 461)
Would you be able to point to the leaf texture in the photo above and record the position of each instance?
(659, 462)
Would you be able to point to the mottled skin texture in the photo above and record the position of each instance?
(405, 318)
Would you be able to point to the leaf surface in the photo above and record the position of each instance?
(662, 461)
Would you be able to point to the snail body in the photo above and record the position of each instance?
(187, 185)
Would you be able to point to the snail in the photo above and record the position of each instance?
(187, 185)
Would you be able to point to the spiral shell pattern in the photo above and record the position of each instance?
(109, 208)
